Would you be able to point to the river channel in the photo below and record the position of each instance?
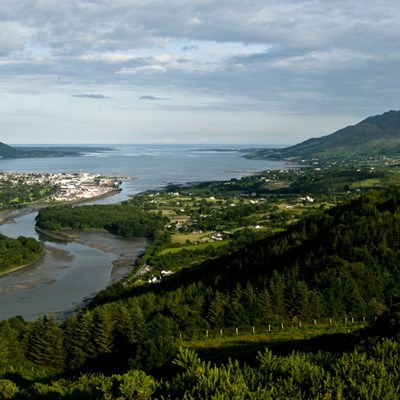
(69, 273)
(73, 272)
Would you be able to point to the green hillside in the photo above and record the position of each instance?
(338, 264)
(373, 137)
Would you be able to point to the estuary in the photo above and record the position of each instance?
(73, 272)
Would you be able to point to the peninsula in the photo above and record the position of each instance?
(7, 151)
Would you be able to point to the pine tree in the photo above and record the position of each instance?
(266, 306)
(124, 331)
(78, 342)
(103, 330)
(277, 290)
(45, 343)
(216, 311)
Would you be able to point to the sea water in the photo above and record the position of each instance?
(152, 165)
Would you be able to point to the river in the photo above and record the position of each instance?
(71, 272)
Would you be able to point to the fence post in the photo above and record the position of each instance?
(282, 325)
(269, 327)
(315, 322)
(237, 331)
(299, 324)
(220, 332)
(330, 321)
(207, 333)
(254, 330)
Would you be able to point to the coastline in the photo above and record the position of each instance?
(150, 180)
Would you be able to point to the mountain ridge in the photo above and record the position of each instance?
(7, 151)
(377, 135)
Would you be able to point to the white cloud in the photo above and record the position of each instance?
(145, 69)
(113, 58)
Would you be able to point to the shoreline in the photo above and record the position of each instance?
(116, 265)
(17, 268)
(8, 216)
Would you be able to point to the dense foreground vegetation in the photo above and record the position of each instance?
(273, 268)
(368, 370)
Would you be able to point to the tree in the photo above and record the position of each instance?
(103, 330)
(216, 311)
(78, 340)
(159, 345)
(45, 343)
(8, 389)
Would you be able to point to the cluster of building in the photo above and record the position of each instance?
(70, 186)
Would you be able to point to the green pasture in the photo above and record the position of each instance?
(199, 246)
(217, 345)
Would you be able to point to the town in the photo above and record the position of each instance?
(66, 187)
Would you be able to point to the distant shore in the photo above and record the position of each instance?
(8, 216)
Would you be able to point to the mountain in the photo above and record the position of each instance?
(375, 136)
(9, 152)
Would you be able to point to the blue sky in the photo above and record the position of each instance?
(199, 71)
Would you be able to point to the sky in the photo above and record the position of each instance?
(199, 71)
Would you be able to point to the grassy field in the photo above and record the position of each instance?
(367, 183)
(244, 345)
(199, 246)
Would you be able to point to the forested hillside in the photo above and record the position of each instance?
(343, 261)
(339, 263)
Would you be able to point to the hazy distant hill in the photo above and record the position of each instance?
(378, 135)
(7, 151)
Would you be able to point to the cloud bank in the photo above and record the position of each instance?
(90, 96)
(265, 71)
